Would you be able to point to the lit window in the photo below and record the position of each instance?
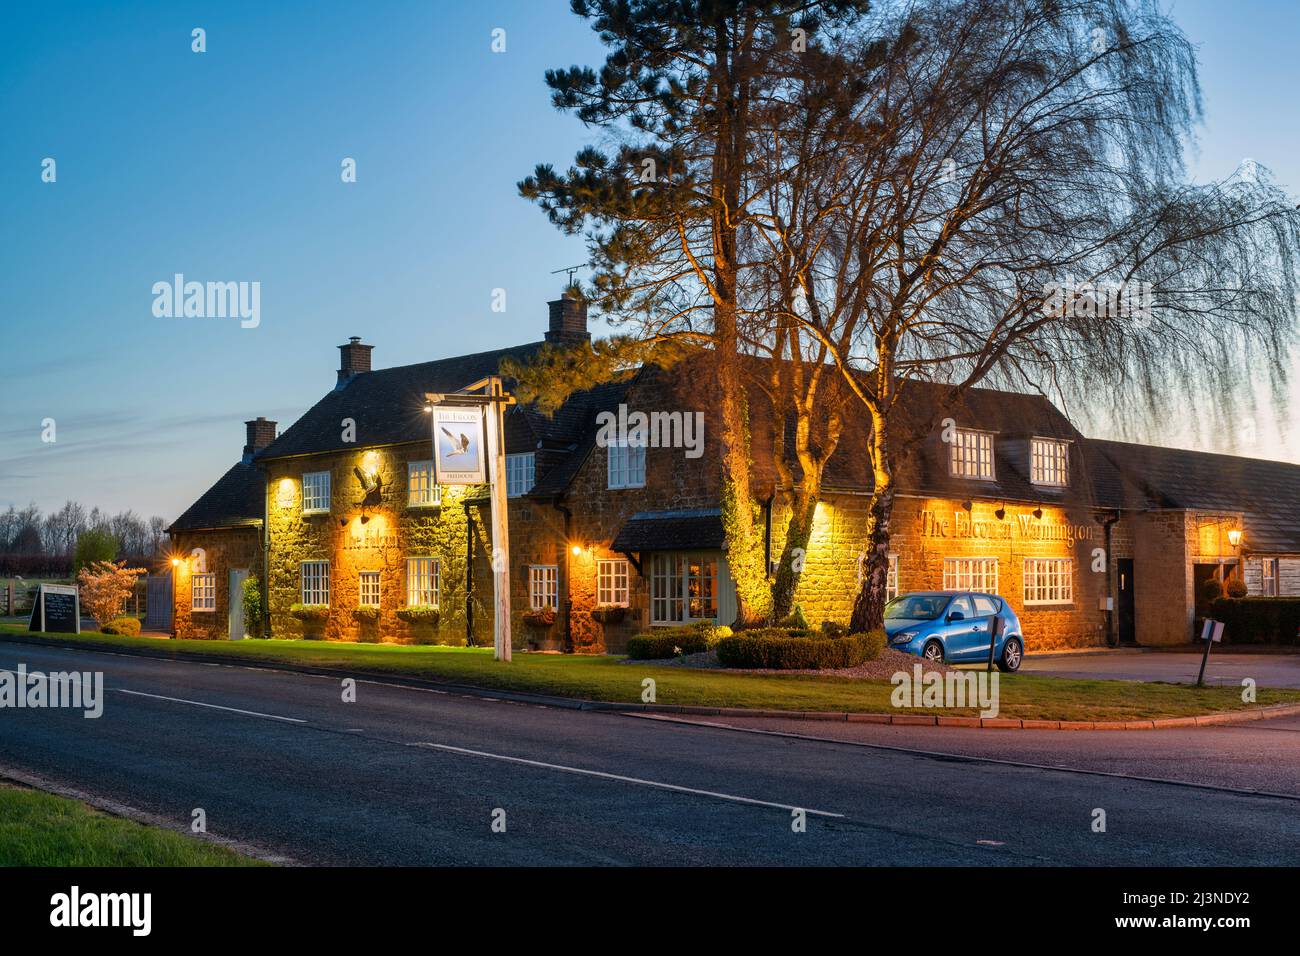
(369, 589)
(1268, 578)
(1049, 462)
(544, 587)
(315, 492)
(611, 582)
(203, 592)
(683, 587)
(891, 578)
(423, 581)
(970, 574)
(422, 491)
(626, 466)
(1049, 581)
(315, 582)
(520, 473)
(972, 454)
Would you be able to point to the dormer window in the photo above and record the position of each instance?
(1049, 462)
(971, 455)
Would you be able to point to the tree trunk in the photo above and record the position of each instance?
(869, 605)
(793, 554)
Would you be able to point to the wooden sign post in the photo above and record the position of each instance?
(492, 401)
(56, 610)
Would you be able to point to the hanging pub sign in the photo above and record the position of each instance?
(56, 610)
(458, 445)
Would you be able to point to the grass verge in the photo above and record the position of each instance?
(40, 829)
(612, 679)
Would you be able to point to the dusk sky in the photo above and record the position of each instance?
(225, 166)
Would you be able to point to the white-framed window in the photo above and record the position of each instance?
(683, 587)
(423, 581)
(891, 577)
(1268, 577)
(971, 454)
(1049, 581)
(1049, 462)
(521, 472)
(544, 586)
(368, 589)
(203, 592)
(315, 582)
(612, 581)
(626, 466)
(315, 492)
(970, 574)
(421, 490)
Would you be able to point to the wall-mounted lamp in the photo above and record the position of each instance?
(967, 505)
(576, 550)
(1234, 537)
(1038, 513)
(176, 562)
(1001, 513)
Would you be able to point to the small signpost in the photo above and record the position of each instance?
(995, 631)
(57, 609)
(469, 449)
(1211, 633)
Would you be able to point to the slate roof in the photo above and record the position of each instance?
(236, 500)
(695, 529)
(1267, 493)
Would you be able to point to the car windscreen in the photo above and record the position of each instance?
(916, 607)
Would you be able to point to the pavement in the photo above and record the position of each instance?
(405, 775)
(1267, 670)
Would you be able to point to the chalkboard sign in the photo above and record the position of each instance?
(57, 609)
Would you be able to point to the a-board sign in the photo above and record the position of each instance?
(1212, 631)
(57, 609)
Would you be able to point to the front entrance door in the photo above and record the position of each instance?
(237, 578)
(1127, 604)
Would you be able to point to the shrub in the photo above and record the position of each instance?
(1259, 620)
(93, 546)
(1236, 588)
(671, 641)
(104, 588)
(126, 626)
(834, 629)
(310, 613)
(1211, 589)
(777, 650)
(418, 614)
(795, 619)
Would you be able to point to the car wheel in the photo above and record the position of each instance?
(1012, 655)
(933, 652)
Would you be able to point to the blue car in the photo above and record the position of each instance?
(954, 627)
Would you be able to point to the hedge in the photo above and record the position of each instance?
(669, 642)
(774, 649)
(126, 626)
(1258, 620)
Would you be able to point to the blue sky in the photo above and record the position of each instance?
(225, 166)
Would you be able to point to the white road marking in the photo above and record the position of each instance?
(199, 703)
(619, 777)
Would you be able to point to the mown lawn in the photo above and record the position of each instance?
(609, 678)
(40, 829)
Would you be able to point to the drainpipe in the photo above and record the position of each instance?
(767, 535)
(469, 576)
(1112, 638)
(568, 566)
(266, 555)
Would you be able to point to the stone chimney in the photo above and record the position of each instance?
(354, 358)
(568, 320)
(260, 433)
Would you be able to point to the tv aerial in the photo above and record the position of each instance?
(570, 270)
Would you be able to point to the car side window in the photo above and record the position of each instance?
(984, 607)
(962, 606)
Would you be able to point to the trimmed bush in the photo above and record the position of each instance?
(834, 629)
(774, 649)
(126, 626)
(251, 596)
(795, 619)
(421, 614)
(1236, 588)
(669, 642)
(310, 613)
(1211, 589)
(365, 615)
(1259, 620)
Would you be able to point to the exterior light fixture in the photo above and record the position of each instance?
(967, 505)
(576, 549)
(1038, 513)
(1001, 513)
(365, 518)
(176, 562)
(1234, 537)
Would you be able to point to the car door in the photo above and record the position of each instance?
(986, 609)
(960, 637)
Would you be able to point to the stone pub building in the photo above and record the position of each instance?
(339, 520)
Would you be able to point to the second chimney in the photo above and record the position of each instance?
(260, 433)
(354, 358)
(568, 320)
